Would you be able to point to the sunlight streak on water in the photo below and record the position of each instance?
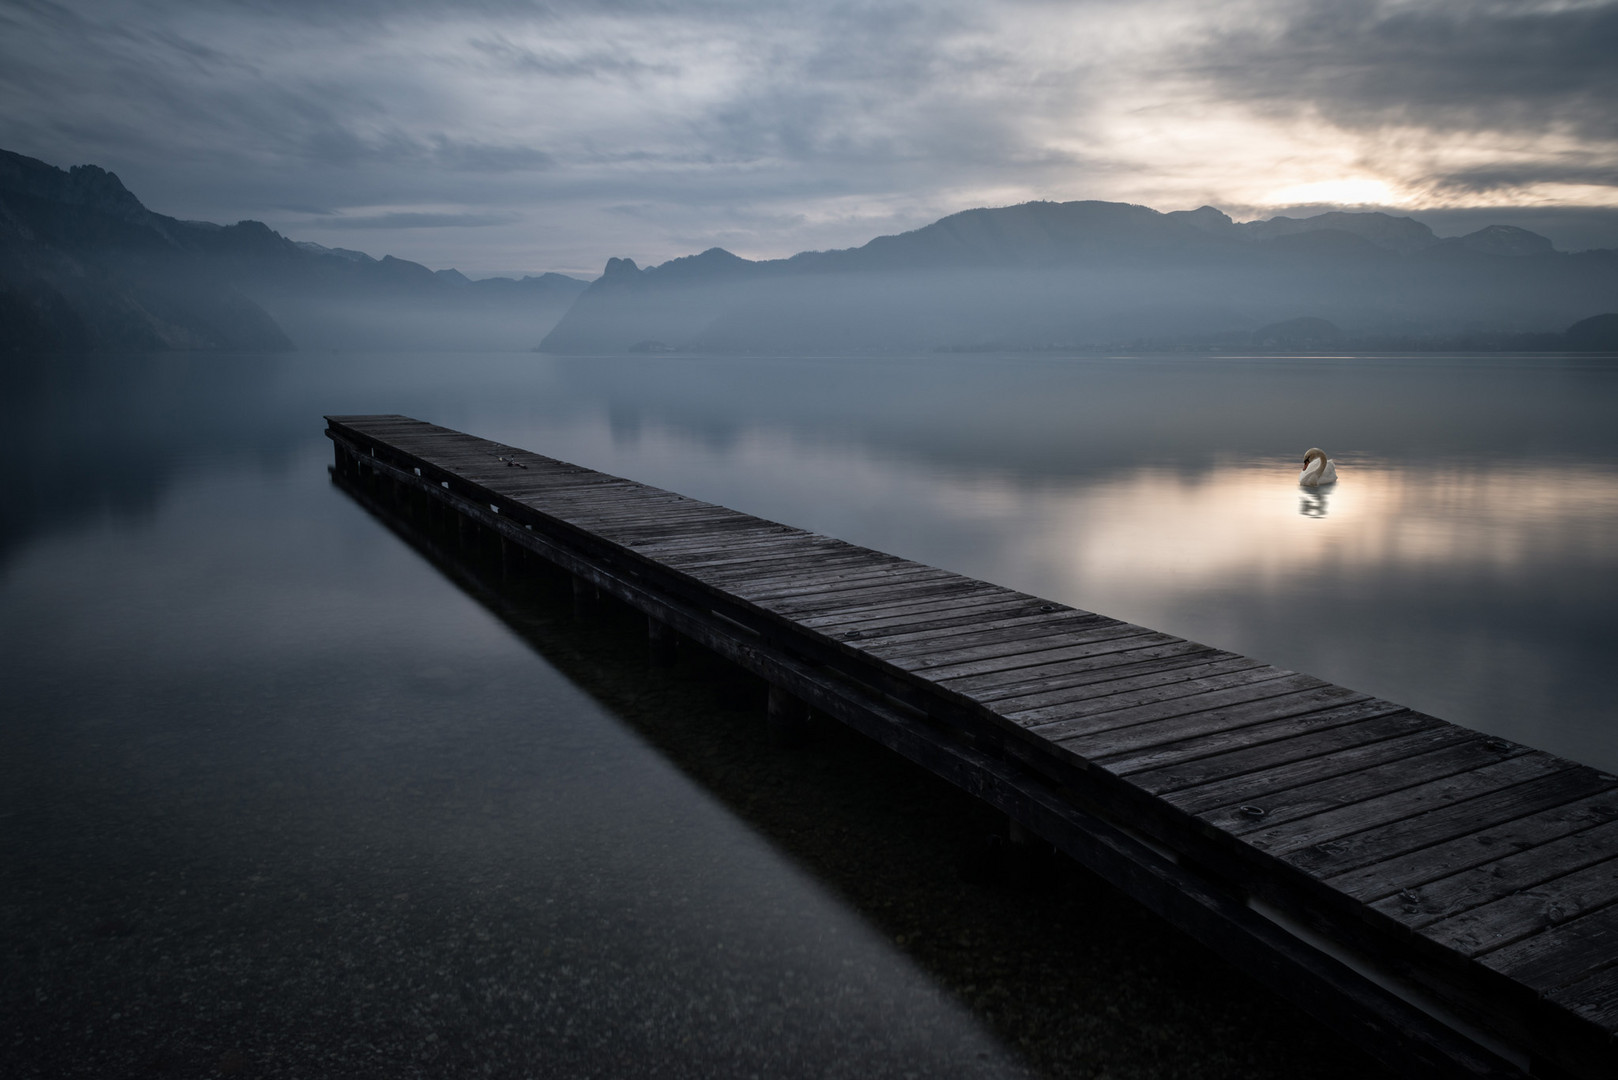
(1245, 522)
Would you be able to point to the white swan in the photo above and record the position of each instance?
(1316, 469)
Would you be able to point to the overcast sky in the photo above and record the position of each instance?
(516, 136)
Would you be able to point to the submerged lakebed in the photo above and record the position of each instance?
(282, 796)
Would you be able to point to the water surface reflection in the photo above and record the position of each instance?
(266, 772)
(278, 800)
(1471, 583)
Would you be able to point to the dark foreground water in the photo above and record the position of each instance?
(280, 796)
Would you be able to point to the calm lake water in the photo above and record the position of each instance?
(281, 797)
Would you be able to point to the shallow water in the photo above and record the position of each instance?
(266, 769)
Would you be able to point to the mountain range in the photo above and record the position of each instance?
(1099, 275)
(85, 267)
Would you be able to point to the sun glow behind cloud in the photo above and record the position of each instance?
(1361, 191)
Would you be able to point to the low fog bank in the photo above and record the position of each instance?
(316, 323)
(97, 434)
(410, 308)
(1077, 276)
(1051, 420)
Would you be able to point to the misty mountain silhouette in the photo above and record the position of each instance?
(1598, 333)
(1099, 274)
(84, 267)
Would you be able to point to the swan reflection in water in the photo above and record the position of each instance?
(1318, 472)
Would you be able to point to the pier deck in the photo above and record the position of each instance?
(1447, 899)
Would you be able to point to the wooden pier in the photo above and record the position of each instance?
(1445, 899)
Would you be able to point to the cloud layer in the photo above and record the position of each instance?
(533, 136)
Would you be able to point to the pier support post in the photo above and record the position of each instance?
(660, 642)
(787, 716)
(1017, 833)
(585, 596)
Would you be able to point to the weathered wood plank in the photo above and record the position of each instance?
(994, 686)
(686, 527)
(1462, 757)
(953, 589)
(1029, 630)
(861, 594)
(579, 492)
(1017, 618)
(965, 616)
(1512, 918)
(1175, 670)
(1594, 998)
(811, 562)
(503, 465)
(1328, 818)
(1562, 954)
(508, 466)
(810, 579)
(603, 508)
(1109, 720)
(724, 554)
(918, 614)
(1324, 705)
(809, 585)
(1202, 744)
(952, 654)
(1107, 640)
(1478, 812)
(1109, 698)
(1280, 781)
(949, 630)
(1445, 879)
(1271, 752)
(654, 530)
(641, 526)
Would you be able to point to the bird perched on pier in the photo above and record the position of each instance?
(1316, 469)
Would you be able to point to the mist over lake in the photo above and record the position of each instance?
(1472, 526)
